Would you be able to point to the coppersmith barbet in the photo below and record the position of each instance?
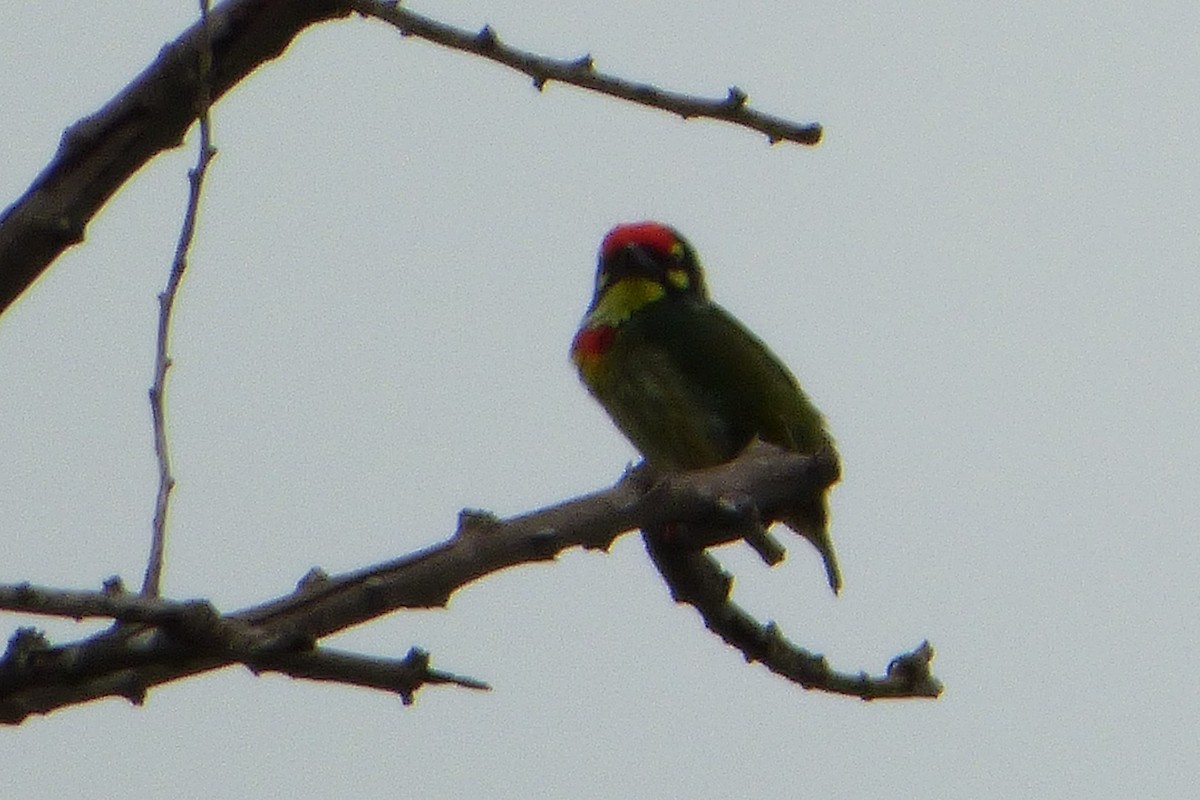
(687, 383)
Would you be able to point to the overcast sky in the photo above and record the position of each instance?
(987, 276)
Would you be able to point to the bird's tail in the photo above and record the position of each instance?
(813, 524)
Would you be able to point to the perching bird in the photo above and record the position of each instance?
(687, 383)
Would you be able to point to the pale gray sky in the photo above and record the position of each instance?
(987, 277)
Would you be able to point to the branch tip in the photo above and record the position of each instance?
(767, 546)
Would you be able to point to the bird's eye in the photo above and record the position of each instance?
(679, 278)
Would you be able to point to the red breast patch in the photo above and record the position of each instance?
(593, 341)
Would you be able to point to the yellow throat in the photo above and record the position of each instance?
(624, 297)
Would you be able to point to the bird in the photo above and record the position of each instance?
(687, 383)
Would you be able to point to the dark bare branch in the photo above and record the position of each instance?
(582, 72)
(178, 632)
(715, 505)
(98, 154)
(696, 578)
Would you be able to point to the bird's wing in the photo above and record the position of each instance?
(738, 374)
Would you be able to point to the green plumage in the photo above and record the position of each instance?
(691, 387)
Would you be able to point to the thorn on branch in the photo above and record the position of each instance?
(585, 63)
(418, 661)
(314, 579)
(132, 690)
(472, 521)
(23, 647)
(486, 40)
(736, 100)
(914, 670)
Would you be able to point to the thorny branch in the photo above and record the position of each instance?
(582, 72)
(99, 153)
(168, 640)
(697, 579)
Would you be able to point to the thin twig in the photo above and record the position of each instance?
(582, 72)
(152, 582)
